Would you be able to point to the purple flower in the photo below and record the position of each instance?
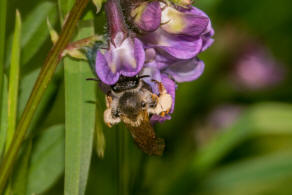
(183, 32)
(257, 69)
(147, 16)
(169, 38)
(168, 71)
(125, 55)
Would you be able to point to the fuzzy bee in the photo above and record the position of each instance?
(131, 101)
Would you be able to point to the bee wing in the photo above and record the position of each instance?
(145, 137)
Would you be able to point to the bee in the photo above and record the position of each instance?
(132, 102)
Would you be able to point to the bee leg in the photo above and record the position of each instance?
(108, 101)
(109, 119)
(161, 88)
(154, 101)
(164, 101)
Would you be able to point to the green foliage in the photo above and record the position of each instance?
(3, 10)
(3, 119)
(13, 84)
(40, 86)
(80, 100)
(20, 177)
(252, 155)
(47, 160)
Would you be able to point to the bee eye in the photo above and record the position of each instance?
(143, 104)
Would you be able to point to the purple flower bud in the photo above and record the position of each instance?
(125, 55)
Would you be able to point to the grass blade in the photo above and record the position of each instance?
(34, 31)
(251, 175)
(3, 10)
(41, 84)
(259, 120)
(47, 160)
(20, 176)
(3, 119)
(79, 119)
(13, 82)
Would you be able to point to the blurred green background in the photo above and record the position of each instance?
(231, 131)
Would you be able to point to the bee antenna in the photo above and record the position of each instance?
(143, 76)
(155, 80)
(93, 79)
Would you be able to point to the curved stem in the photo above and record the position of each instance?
(40, 86)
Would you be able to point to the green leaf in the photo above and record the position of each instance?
(3, 10)
(20, 177)
(260, 119)
(3, 119)
(271, 118)
(26, 86)
(13, 81)
(64, 8)
(34, 30)
(47, 160)
(45, 76)
(79, 118)
(100, 142)
(250, 176)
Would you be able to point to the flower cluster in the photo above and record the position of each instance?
(164, 44)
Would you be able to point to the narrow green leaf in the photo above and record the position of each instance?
(45, 76)
(271, 118)
(3, 119)
(25, 88)
(34, 30)
(13, 81)
(79, 118)
(255, 173)
(221, 145)
(47, 160)
(259, 120)
(3, 10)
(20, 177)
(100, 143)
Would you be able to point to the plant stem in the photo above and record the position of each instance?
(40, 86)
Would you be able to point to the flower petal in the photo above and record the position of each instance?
(209, 31)
(139, 55)
(147, 16)
(178, 46)
(187, 70)
(103, 71)
(127, 59)
(154, 74)
(183, 23)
